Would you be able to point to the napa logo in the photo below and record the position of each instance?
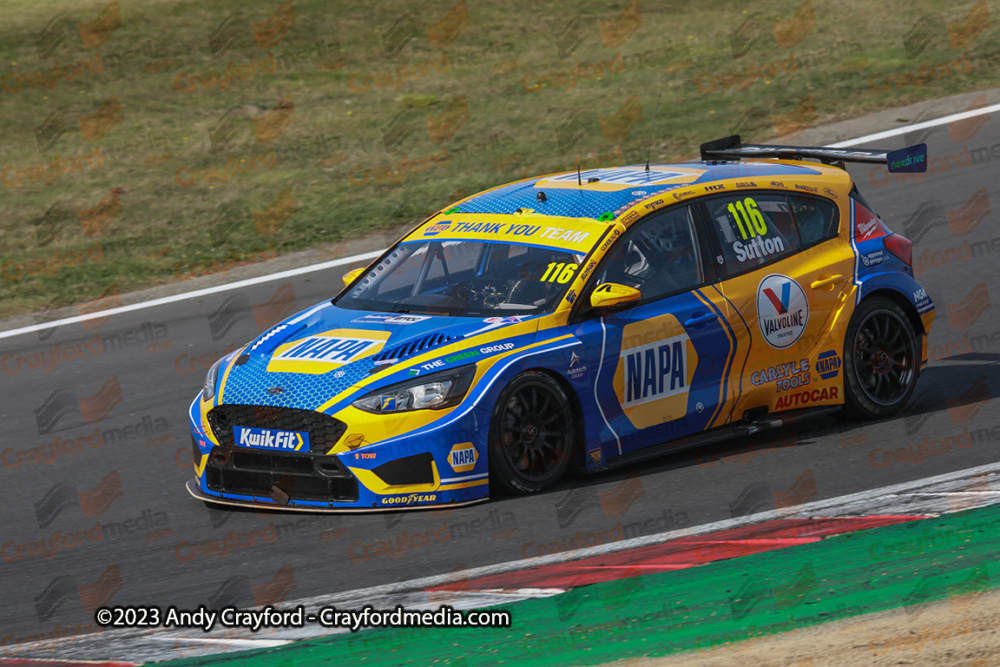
(655, 370)
(621, 176)
(260, 438)
(434, 230)
(782, 310)
(328, 349)
(828, 364)
(463, 457)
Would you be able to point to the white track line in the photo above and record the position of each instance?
(245, 643)
(195, 294)
(916, 126)
(372, 255)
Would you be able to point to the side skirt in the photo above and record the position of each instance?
(740, 429)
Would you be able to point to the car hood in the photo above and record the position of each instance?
(315, 355)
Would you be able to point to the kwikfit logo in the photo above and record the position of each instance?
(263, 439)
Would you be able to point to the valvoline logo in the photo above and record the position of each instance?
(262, 438)
(780, 303)
(828, 364)
(782, 310)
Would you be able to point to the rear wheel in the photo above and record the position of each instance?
(880, 359)
(531, 434)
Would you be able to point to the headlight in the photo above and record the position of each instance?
(434, 392)
(208, 391)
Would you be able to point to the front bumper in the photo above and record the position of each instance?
(404, 472)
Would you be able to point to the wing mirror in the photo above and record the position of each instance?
(351, 275)
(611, 295)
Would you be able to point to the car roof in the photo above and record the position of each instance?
(617, 189)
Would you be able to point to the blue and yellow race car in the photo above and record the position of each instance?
(585, 319)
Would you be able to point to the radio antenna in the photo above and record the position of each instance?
(579, 179)
(652, 129)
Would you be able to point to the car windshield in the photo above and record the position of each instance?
(465, 279)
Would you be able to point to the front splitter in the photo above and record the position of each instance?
(192, 487)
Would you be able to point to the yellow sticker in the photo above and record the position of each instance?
(655, 369)
(463, 457)
(573, 234)
(321, 353)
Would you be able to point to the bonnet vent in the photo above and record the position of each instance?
(412, 347)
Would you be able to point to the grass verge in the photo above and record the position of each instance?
(701, 609)
(148, 143)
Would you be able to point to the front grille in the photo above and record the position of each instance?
(267, 462)
(324, 431)
(299, 476)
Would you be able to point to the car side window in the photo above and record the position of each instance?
(753, 229)
(658, 256)
(815, 219)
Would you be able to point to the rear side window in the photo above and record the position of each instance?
(753, 230)
(815, 219)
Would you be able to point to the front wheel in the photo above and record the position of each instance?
(880, 360)
(531, 434)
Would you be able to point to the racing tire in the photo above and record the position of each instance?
(531, 435)
(881, 362)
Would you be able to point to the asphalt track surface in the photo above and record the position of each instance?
(83, 499)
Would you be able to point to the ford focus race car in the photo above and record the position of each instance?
(581, 319)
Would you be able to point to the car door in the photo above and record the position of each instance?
(787, 273)
(660, 364)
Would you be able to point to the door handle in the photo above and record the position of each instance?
(826, 283)
(699, 319)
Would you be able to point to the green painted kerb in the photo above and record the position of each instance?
(727, 601)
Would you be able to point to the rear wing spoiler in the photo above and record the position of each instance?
(909, 159)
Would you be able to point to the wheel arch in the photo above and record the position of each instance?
(899, 287)
(857, 401)
(501, 472)
(901, 300)
(543, 361)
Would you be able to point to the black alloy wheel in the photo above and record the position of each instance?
(531, 434)
(880, 359)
